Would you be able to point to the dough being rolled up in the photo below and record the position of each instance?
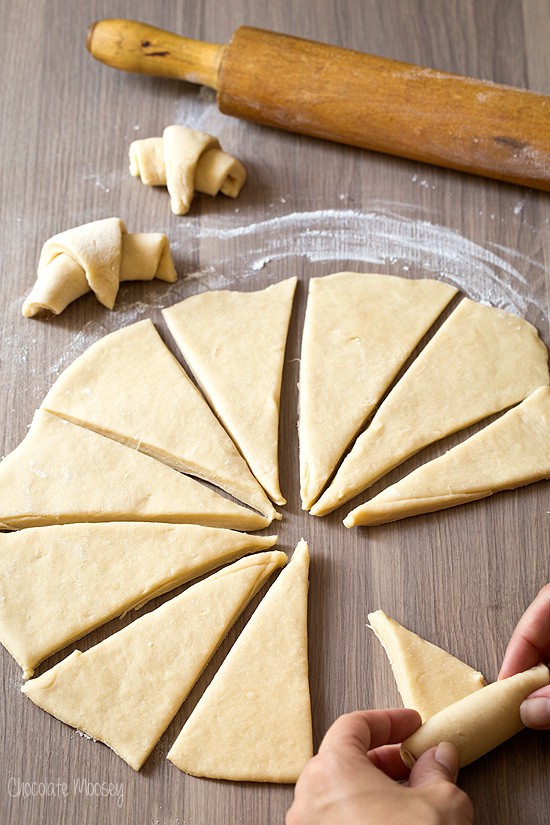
(96, 257)
(479, 722)
(186, 160)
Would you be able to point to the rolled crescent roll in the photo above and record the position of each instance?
(186, 161)
(479, 722)
(96, 257)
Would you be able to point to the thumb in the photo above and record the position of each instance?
(436, 765)
(535, 710)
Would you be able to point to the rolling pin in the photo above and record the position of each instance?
(358, 99)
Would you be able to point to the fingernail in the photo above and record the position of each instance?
(535, 713)
(447, 755)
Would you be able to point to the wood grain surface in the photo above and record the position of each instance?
(460, 578)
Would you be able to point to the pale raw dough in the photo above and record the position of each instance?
(63, 473)
(66, 580)
(481, 361)
(428, 678)
(234, 343)
(186, 161)
(359, 330)
(126, 690)
(512, 451)
(96, 256)
(479, 722)
(253, 723)
(129, 386)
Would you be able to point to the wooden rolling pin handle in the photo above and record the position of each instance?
(137, 47)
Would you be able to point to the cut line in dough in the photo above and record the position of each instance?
(511, 452)
(234, 343)
(253, 723)
(59, 583)
(62, 473)
(96, 257)
(359, 330)
(481, 361)
(128, 386)
(126, 690)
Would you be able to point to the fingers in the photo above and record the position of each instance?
(530, 642)
(436, 765)
(535, 710)
(365, 730)
(388, 760)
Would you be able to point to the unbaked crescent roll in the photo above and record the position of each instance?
(480, 721)
(186, 160)
(96, 257)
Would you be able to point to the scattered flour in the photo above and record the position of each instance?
(390, 236)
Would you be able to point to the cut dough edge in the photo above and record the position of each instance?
(145, 355)
(517, 445)
(260, 451)
(358, 327)
(129, 703)
(57, 475)
(428, 678)
(521, 356)
(237, 731)
(45, 568)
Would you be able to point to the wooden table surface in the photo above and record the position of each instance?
(460, 578)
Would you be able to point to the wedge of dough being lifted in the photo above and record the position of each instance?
(253, 723)
(126, 690)
(512, 451)
(101, 571)
(359, 330)
(481, 361)
(129, 386)
(428, 678)
(235, 343)
(63, 473)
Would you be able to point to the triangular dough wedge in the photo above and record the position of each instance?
(428, 678)
(359, 330)
(62, 473)
(129, 386)
(101, 571)
(234, 343)
(511, 452)
(481, 361)
(253, 723)
(126, 690)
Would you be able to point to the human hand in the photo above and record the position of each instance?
(530, 645)
(352, 780)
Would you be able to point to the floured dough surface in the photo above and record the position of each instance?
(253, 723)
(129, 386)
(60, 582)
(512, 451)
(359, 329)
(428, 678)
(234, 343)
(96, 257)
(63, 473)
(126, 690)
(481, 361)
(186, 160)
